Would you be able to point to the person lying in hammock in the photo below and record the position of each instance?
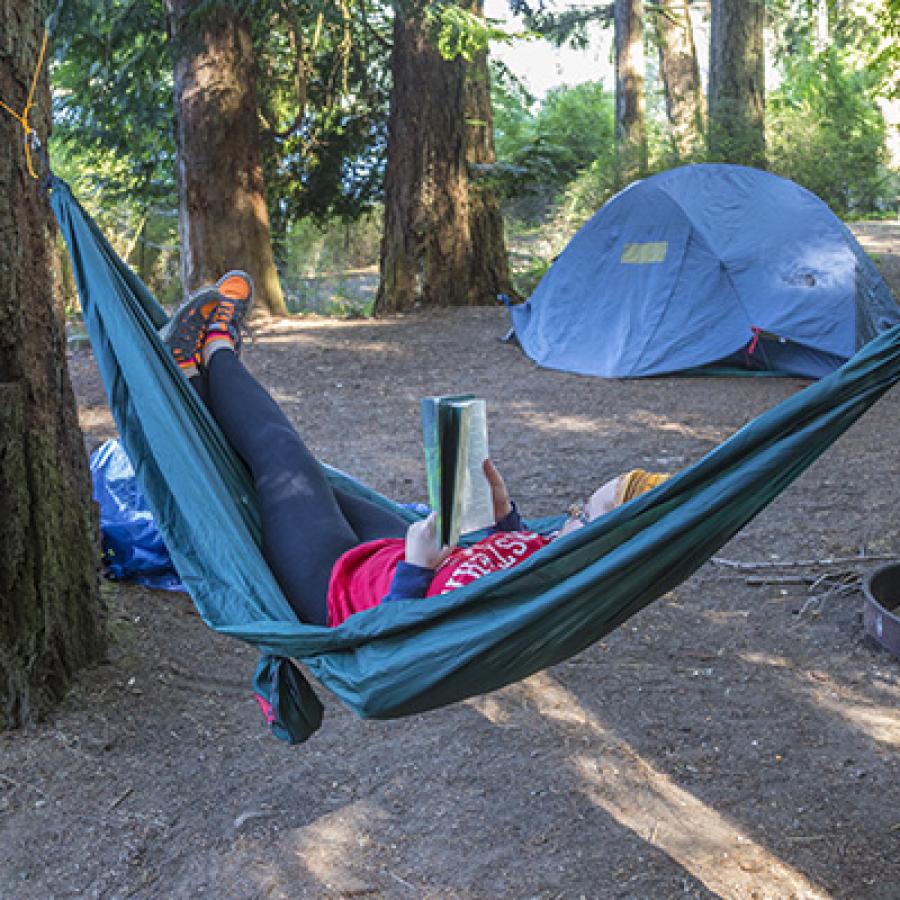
(334, 553)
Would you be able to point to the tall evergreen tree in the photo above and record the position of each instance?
(680, 75)
(224, 221)
(52, 620)
(631, 126)
(489, 263)
(430, 254)
(737, 88)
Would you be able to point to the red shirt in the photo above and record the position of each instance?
(362, 576)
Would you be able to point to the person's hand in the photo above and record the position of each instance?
(421, 544)
(499, 493)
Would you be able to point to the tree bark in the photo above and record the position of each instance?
(52, 620)
(489, 262)
(223, 219)
(681, 77)
(443, 237)
(631, 128)
(737, 89)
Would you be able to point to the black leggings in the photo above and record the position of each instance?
(306, 523)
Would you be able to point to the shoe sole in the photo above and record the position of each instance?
(243, 276)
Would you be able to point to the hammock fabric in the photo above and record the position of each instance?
(411, 656)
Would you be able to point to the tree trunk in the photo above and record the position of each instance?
(681, 77)
(442, 243)
(489, 262)
(631, 129)
(737, 89)
(52, 620)
(223, 221)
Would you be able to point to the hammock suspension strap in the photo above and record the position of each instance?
(32, 141)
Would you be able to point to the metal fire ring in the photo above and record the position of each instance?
(882, 603)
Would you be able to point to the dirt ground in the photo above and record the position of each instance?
(735, 739)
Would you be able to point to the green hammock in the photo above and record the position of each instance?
(411, 656)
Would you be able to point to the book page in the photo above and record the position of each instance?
(477, 505)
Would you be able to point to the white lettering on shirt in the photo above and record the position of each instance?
(483, 559)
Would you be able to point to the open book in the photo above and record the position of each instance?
(454, 429)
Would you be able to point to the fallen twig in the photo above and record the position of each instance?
(402, 881)
(780, 579)
(120, 798)
(800, 563)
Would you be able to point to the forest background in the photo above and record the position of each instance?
(322, 79)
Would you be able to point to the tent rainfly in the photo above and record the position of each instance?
(709, 267)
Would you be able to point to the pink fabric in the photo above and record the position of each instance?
(266, 708)
(362, 576)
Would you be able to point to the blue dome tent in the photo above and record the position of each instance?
(707, 267)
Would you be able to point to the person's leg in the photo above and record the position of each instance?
(200, 383)
(304, 524)
(303, 528)
(369, 520)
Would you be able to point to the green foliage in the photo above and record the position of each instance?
(458, 32)
(311, 248)
(512, 105)
(112, 100)
(113, 135)
(347, 297)
(539, 154)
(576, 125)
(323, 102)
(564, 27)
(584, 195)
(888, 55)
(825, 130)
(527, 273)
(331, 268)
(322, 90)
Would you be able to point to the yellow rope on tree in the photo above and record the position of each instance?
(22, 118)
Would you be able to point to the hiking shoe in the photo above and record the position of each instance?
(235, 290)
(183, 334)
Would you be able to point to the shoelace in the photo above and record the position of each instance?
(223, 319)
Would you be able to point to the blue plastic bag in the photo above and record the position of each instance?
(133, 549)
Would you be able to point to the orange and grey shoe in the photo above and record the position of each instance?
(219, 306)
(235, 290)
(185, 331)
